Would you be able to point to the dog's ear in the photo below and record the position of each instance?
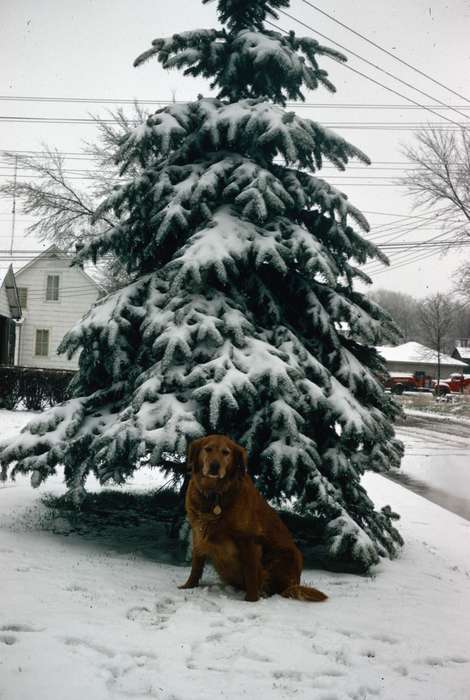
(192, 457)
(240, 460)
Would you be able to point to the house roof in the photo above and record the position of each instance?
(54, 250)
(464, 352)
(7, 281)
(415, 353)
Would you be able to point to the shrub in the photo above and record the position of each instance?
(35, 388)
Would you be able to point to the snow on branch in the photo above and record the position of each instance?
(105, 329)
(249, 60)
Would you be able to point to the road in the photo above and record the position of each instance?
(437, 461)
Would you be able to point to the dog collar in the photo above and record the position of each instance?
(214, 502)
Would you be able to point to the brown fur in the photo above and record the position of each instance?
(234, 527)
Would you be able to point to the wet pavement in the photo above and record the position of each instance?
(437, 462)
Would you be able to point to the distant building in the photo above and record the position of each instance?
(414, 358)
(10, 312)
(462, 350)
(53, 298)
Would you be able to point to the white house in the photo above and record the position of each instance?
(462, 351)
(53, 297)
(10, 311)
(416, 358)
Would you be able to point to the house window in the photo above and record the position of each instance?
(42, 343)
(52, 288)
(23, 296)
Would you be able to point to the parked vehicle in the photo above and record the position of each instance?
(398, 382)
(456, 383)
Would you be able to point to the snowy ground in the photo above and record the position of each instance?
(452, 406)
(437, 461)
(82, 619)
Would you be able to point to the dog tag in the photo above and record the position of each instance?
(217, 510)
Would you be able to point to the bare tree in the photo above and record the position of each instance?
(462, 282)
(440, 178)
(403, 308)
(66, 213)
(436, 317)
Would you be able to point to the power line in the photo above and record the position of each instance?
(356, 125)
(363, 75)
(77, 155)
(425, 244)
(403, 259)
(375, 166)
(397, 231)
(411, 261)
(374, 265)
(387, 213)
(382, 70)
(88, 100)
(373, 171)
(342, 184)
(381, 48)
(95, 172)
(300, 105)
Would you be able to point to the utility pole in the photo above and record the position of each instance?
(13, 210)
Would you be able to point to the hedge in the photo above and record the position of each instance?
(33, 388)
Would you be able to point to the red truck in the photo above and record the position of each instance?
(456, 383)
(398, 382)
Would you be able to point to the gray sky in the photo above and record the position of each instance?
(65, 48)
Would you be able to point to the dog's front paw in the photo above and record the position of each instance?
(188, 584)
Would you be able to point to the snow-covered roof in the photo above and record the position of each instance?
(399, 375)
(415, 353)
(464, 352)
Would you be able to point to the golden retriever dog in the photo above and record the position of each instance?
(234, 527)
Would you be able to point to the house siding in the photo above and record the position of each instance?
(76, 294)
(430, 369)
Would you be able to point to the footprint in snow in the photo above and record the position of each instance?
(444, 661)
(350, 634)
(458, 659)
(16, 627)
(364, 691)
(402, 670)
(291, 675)
(10, 639)
(85, 645)
(385, 638)
(140, 614)
(158, 617)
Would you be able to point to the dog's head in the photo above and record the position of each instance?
(215, 461)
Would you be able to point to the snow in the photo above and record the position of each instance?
(464, 351)
(101, 615)
(437, 461)
(415, 352)
(437, 416)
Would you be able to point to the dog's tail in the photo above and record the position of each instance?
(311, 595)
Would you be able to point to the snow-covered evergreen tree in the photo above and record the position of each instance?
(242, 317)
